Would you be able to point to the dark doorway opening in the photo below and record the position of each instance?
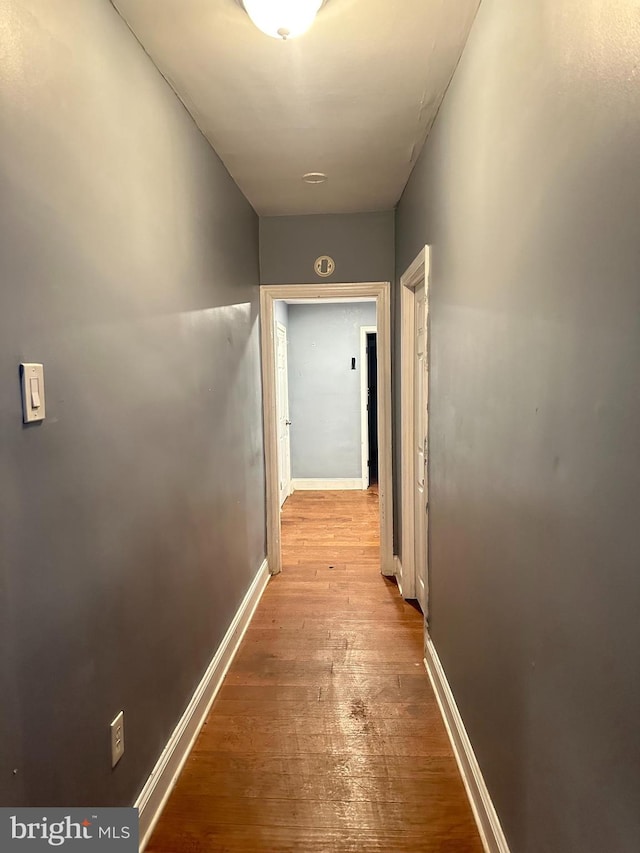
(372, 405)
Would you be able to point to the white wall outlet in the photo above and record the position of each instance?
(32, 377)
(117, 739)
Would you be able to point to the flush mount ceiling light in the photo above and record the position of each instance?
(282, 19)
(314, 178)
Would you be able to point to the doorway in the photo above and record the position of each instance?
(369, 404)
(412, 568)
(380, 293)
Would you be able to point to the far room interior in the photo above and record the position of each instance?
(326, 399)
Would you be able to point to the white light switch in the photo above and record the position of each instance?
(35, 393)
(32, 376)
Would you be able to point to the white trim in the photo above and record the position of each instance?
(414, 275)
(308, 484)
(381, 292)
(337, 300)
(484, 812)
(164, 775)
(364, 399)
(284, 465)
(270, 429)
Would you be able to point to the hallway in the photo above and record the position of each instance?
(325, 735)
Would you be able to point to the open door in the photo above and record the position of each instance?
(412, 567)
(282, 397)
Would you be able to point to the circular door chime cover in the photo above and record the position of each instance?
(324, 266)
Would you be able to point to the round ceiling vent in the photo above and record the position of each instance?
(324, 266)
(314, 178)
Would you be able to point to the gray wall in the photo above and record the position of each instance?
(324, 392)
(132, 519)
(529, 191)
(361, 244)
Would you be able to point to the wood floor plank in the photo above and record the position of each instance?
(340, 655)
(273, 710)
(307, 765)
(213, 811)
(348, 728)
(325, 736)
(257, 839)
(330, 787)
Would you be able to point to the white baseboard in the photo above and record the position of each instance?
(164, 775)
(484, 812)
(321, 485)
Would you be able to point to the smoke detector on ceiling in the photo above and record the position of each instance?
(282, 19)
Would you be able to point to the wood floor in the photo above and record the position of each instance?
(325, 736)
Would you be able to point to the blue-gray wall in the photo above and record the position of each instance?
(132, 519)
(528, 190)
(324, 392)
(361, 244)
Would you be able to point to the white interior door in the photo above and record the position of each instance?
(282, 397)
(420, 432)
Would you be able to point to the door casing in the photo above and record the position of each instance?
(284, 459)
(416, 273)
(420, 454)
(381, 292)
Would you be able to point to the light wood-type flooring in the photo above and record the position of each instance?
(325, 736)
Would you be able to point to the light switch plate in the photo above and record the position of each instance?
(117, 739)
(32, 379)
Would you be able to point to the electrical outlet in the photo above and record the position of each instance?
(117, 739)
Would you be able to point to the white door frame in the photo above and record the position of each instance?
(364, 401)
(284, 473)
(413, 277)
(381, 292)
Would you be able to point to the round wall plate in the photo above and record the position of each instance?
(324, 266)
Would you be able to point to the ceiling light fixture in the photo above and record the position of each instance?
(282, 19)
(314, 178)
